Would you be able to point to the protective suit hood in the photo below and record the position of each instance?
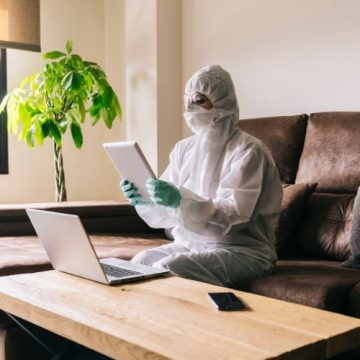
(213, 134)
(216, 83)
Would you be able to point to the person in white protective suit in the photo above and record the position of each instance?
(220, 193)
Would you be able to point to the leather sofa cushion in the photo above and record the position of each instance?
(26, 254)
(320, 284)
(324, 231)
(354, 242)
(284, 137)
(293, 205)
(331, 154)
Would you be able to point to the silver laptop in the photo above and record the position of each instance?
(70, 250)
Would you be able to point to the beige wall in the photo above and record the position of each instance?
(141, 74)
(285, 56)
(169, 78)
(153, 77)
(95, 28)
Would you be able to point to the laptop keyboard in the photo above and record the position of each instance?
(118, 272)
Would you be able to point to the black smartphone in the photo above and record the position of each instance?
(227, 301)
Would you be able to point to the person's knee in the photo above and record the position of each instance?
(150, 256)
(144, 257)
(190, 267)
(175, 263)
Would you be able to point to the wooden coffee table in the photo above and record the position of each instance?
(172, 318)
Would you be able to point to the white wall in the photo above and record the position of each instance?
(153, 77)
(91, 24)
(141, 75)
(285, 56)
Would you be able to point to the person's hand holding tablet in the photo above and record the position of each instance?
(131, 193)
(163, 193)
(133, 168)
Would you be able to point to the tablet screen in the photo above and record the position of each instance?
(131, 164)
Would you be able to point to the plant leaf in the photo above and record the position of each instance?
(13, 114)
(76, 82)
(69, 46)
(45, 128)
(77, 61)
(95, 119)
(55, 132)
(116, 105)
(39, 136)
(71, 82)
(107, 96)
(67, 80)
(30, 136)
(63, 126)
(4, 102)
(27, 80)
(54, 55)
(96, 107)
(58, 97)
(81, 107)
(24, 116)
(76, 134)
(107, 117)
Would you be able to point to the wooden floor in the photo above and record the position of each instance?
(172, 318)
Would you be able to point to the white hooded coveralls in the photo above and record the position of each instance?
(231, 193)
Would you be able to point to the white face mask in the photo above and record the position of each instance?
(198, 118)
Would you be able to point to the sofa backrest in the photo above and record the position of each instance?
(323, 149)
(98, 217)
(331, 153)
(284, 136)
(324, 231)
(330, 157)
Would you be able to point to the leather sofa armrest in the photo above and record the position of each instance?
(98, 217)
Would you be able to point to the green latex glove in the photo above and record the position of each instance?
(163, 193)
(131, 193)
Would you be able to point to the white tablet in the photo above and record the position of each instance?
(131, 164)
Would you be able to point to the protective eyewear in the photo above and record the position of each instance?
(197, 99)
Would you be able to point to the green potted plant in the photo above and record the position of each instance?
(58, 98)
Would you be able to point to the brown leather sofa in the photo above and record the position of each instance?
(322, 148)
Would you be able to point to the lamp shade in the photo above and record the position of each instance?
(20, 24)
